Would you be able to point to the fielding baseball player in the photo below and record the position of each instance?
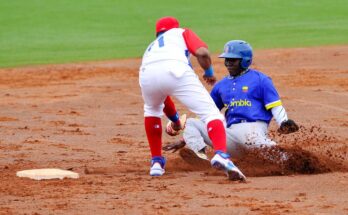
(166, 71)
(250, 101)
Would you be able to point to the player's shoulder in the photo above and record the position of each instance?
(257, 73)
(187, 29)
(222, 82)
(175, 31)
(189, 32)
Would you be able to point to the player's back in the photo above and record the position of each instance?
(168, 46)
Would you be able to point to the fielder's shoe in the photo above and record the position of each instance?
(173, 129)
(222, 161)
(157, 166)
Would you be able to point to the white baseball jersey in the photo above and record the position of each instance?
(166, 71)
(172, 46)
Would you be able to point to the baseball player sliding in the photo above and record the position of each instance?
(250, 101)
(166, 71)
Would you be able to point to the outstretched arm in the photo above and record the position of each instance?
(286, 126)
(204, 60)
(200, 50)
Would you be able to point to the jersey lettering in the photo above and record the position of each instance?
(240, 103)
(161, 41)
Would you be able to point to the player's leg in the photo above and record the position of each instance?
(250, 134)
(266, 147)
(235, 147)
(253, 136)
(153, 129)
(193, 95)
(153, 110)
(196, 137)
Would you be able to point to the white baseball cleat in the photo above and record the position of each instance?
(157, 166)
(171, 130)
(222, 161)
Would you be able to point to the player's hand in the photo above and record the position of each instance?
(174, 146)
(211, 80)
(288, 126)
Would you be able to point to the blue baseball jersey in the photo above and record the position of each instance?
(247, 98)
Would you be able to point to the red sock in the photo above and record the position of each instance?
(153, 128)
(217, 134)
(170, 110)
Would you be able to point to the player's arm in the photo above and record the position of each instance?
(272, 100)
(200, 50)
(204, 60)
(279, 114)
(273, 103)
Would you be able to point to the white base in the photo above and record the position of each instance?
(39, 174)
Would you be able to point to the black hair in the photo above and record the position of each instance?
(159, 33)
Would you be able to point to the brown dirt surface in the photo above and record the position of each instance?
(88, 118)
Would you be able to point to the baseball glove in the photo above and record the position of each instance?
(173, 130)
(288, 126)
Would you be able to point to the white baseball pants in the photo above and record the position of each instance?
(174, 78)
(239, 136)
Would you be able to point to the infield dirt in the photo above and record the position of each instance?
(88, 118)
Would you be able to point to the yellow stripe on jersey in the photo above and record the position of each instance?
(273, 104)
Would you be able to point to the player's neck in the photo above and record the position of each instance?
(239, 73)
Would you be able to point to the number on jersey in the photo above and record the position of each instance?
(160, 43)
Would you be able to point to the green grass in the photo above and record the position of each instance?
(59, 31)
